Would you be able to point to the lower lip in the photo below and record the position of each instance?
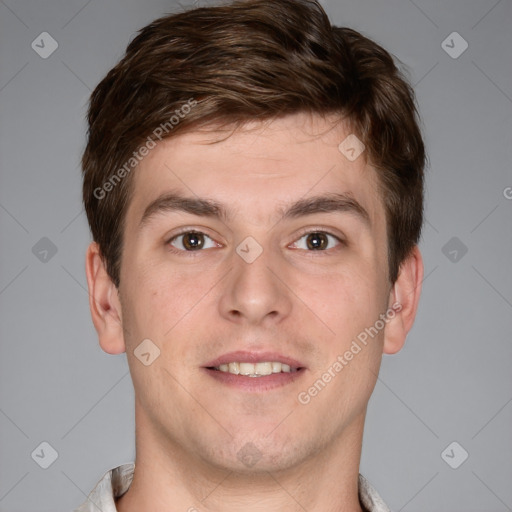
(263, 383)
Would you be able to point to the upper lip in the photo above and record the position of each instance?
(242, 356)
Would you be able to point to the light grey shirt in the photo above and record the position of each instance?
(117, 481)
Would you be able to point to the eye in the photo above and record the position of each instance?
(316, 241)
(192, 241)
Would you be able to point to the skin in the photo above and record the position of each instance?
(303, 303)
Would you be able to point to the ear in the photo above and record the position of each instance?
(403, 299)
(104, 302)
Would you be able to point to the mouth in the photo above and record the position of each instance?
(259, 369)
(251, 371)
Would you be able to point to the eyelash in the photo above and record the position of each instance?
(182, 233)
(168, 243)
(323, 231)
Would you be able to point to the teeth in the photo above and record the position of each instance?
(233, 368)
(256, 369)
(263, 368)
(247, 369)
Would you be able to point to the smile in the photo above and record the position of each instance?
(255, 369)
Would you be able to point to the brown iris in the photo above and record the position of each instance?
(193, 241)
(317, 241)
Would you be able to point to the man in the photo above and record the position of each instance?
(253, 180)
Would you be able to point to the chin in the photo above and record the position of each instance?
(251, 455)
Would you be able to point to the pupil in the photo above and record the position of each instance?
(317, 241)
(193, 241)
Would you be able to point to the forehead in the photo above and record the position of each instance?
(258, 168)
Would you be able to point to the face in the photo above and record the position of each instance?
(266, 246)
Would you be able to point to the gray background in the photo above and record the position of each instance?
(451, 382)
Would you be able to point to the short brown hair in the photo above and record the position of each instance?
(244, 61)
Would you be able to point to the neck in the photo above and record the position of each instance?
(169, 479)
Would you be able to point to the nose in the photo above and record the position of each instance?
(255, 292)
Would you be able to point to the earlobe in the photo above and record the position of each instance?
(104, 303)
(404, 299)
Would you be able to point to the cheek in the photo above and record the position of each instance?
(351, 304)
(345, 299)
(151, 301)
(166, 300)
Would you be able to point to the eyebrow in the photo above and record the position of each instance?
(169, 202)
(328, 203)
